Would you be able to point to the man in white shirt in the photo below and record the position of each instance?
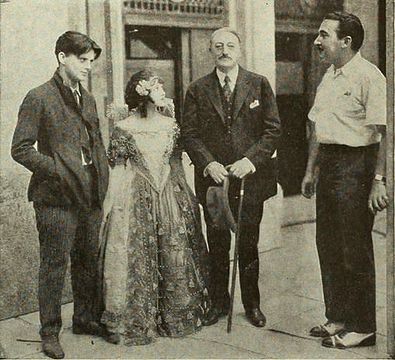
(347, 158)
(231, 128)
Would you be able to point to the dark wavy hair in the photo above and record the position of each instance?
(132, 98)
(349, 25)
(73, 42)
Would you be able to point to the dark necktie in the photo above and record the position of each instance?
(85, 141)
(77, 98)
(226, 88)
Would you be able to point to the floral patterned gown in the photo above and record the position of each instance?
(153, 252)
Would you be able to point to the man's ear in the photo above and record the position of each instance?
(347, 40)
(61, 57)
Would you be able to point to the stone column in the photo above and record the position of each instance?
(117, 50)
(77, 16)
(255, 21)
(105, 26)
(258, 28)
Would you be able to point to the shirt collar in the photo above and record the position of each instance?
(77, 90)
(65, 83)
(348, 67)
(232, 75)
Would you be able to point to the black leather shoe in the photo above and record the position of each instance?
(112, 338)
(89, 328)
(328, 329)
(51, 347)
(256, 317)
(212, 317)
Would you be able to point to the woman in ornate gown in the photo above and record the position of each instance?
(153, 252)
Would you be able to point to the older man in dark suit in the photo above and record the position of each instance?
(67, 187)
(231, 127)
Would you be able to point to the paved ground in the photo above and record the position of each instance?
(291, 298)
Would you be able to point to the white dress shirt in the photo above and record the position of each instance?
(232, 74)
(349, 104)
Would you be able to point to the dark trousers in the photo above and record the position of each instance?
(65, 232)
(219, 242)
(344, 235)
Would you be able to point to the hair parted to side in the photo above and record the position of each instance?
(73, 42)
(349, 25)
(225, 29)
(132, 98)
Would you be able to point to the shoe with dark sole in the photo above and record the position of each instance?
(256, 317)
(51, 347)
(346, 340)
(326, 330)
(211, 317)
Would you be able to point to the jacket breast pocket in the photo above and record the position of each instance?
(254, 104)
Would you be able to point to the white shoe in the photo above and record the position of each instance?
(345, 340)
(330, 328)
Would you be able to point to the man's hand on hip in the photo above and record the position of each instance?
(241, 168)
(217, 171)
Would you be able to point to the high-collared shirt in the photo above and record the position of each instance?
(232, 74)
(349, 104)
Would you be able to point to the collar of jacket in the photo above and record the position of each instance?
(241, 91)
(66, 92)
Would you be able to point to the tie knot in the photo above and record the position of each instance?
(227, 79)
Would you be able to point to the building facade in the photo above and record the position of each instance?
(171, 36)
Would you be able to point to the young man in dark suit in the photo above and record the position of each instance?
(231, 127)
(67, 187)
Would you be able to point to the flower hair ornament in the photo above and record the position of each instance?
(144, 87)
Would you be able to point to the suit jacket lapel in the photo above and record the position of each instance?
(65, 92)
(84, 107)
(214, 95)
(241, 91)
(69, 99)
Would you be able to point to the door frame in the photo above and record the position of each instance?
(390, 6)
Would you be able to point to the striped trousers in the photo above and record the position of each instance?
(65, 232)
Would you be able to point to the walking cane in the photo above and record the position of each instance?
(235, 257)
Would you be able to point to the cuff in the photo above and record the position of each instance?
(252, 166)
(205, 171)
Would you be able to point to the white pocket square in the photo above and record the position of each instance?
(254, 104)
